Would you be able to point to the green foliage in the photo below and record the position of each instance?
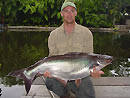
(0, 6)
(96, 13)
(0, 65)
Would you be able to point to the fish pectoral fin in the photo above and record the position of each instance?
(77, 82)
(64, 82)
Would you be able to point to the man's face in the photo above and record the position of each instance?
(69, 14)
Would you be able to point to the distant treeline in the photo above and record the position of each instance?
(94, 13)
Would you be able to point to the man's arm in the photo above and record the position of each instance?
(51, 44)
(88, 43)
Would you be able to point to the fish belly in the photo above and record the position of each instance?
(68, 71)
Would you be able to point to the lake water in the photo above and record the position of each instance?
(21, 49)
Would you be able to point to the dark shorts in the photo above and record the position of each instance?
(85, 89)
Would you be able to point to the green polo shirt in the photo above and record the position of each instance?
(80, 40)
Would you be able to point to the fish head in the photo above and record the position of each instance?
(101, 60)
(104, 60)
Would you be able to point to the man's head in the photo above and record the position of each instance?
(68, 12)
(68, 3)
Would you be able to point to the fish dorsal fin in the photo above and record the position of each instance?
(75, 54)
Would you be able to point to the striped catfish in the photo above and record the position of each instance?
(70, 66)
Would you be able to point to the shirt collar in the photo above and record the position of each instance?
(62, 26)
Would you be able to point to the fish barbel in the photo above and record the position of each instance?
(70, 66)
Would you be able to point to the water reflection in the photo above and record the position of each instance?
(21, 49)
(117, 46)
(10, 92)
(122, 69)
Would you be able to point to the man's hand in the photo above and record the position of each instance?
(96, 74)
(78, 82)
(47, 74)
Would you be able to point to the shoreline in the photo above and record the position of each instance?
(118, 28)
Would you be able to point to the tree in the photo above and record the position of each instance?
(96, 13)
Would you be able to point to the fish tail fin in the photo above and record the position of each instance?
(27, 79)
(18, 73)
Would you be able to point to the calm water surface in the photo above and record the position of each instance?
(21, 49)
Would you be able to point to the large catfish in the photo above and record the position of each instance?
(70, 66)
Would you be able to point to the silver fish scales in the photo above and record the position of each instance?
(69, 66)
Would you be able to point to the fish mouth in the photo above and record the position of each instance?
(105, 62)
(108, 60)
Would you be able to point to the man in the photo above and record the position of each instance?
(71, 37)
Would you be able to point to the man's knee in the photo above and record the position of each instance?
(85, 89)
(56, 86)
